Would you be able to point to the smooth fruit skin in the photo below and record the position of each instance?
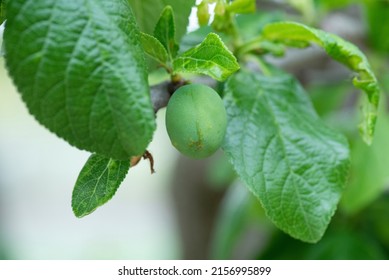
(196, 120)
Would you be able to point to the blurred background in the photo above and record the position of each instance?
(198, 209)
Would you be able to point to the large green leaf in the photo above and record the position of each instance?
(147, 13)
(288, 158)
(80, 69)
(97, 183)
(296, 34)
(211, 58)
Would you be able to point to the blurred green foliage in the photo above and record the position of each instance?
(377, 15)
(360, 227)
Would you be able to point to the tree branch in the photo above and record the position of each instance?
(160, 95)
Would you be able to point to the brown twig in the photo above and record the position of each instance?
(161, 93)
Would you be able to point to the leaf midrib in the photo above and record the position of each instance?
(89, 199)
(107, 96)
(291, 171)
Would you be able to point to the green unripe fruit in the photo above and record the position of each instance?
(196, 120)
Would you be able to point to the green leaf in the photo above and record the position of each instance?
(369, 169)
(211, 58)
(195, 38)
(296, 34)
(80, 69)
(165, 31)
(242, 6)
(97, 183)
(147, 13)
(154, 48)
(287, 157)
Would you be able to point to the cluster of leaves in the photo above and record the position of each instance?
(81, 70)
(211, 57)
(359, 230)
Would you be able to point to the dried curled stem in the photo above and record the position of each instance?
(147, 155)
